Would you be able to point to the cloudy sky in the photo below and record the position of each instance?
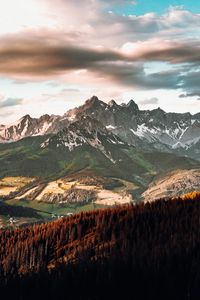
(54, 54)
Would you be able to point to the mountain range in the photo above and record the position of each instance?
(103, 139)
(147, 129)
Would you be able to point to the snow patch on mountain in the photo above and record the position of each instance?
(111, 127)
(143, 131)
(149, 130)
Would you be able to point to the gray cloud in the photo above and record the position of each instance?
(41, 58)
(153, 100)
(74, 90)
(10, 102)
(69, 37)
(32, 58)
(32, 51)
(175, 53)
(191, 94)
(133, 75)
(190, 83)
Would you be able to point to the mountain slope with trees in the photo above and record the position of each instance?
(132, 252)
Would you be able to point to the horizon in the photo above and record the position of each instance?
(119, 104)
(56, 54)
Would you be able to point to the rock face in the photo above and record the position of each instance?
(85, 131)
(27, 126)
(153, 130)
(147, 130)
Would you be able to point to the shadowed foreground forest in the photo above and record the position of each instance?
(147, 251)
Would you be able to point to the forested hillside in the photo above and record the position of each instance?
(148, 251)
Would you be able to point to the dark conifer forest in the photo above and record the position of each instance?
(145, 251)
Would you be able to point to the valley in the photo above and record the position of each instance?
(100, 150)
(94, 156)
(61, 197)
(9, 185)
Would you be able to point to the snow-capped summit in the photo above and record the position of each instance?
(84, 132)
(27, 126)
(150, 130)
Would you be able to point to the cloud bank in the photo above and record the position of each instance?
(85, 47)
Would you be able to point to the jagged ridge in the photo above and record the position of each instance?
(149, 130)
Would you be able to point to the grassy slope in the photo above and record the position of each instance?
(45, 210)
(27, 158)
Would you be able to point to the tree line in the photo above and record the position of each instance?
(144, 251)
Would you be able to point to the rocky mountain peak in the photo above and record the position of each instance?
(44, 117)
(132, 105)
(91, 104)
(159, 109)
(112, 103)
(158, 112)
(24, 121)
(25, 118)
(92, 101)
(147, 129)
(85, 132)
